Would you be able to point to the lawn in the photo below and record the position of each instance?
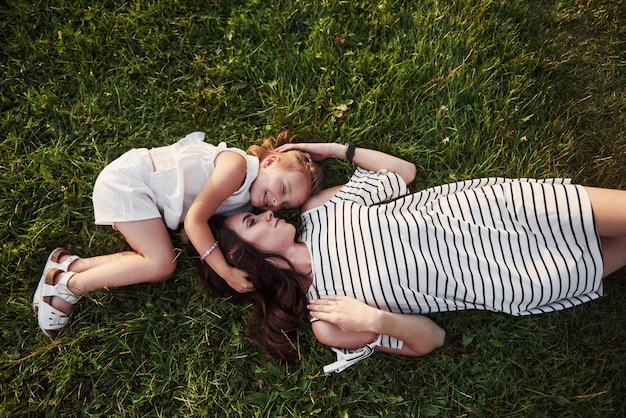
(462, 88)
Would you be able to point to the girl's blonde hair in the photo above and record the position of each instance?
(290, 160)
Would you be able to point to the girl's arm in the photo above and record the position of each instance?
(229, 174)
(366, 158)
(349, 323)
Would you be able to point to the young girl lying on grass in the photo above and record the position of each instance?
(370, 259)
(146, 191)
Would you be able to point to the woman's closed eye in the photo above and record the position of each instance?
(249, 220)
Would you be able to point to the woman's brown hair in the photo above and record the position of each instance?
(279, 299)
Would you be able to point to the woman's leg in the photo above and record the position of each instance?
(613, 254)
(152, 260)
(609, 211)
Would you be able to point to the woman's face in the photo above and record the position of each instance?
(264, 231)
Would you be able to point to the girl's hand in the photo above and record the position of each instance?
(348, 313)
(238, 280)
(318, 151)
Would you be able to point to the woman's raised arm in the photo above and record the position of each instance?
(366, 158)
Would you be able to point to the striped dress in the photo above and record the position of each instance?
(515, 246)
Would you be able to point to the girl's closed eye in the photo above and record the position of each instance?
(283, 192)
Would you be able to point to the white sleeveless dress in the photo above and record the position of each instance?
(137, 187)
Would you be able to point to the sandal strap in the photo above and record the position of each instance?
(55, 255)
(51, 320)
(66, 263)
(60, 289)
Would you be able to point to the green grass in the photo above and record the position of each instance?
(461, 88)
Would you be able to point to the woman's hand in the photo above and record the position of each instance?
(348, 313)
(419, 334)
(318, 151)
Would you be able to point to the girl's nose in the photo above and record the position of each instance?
(268, 215)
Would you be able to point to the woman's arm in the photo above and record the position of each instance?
(318, 199)
(349, 323)
(366, 158)
(227, 177)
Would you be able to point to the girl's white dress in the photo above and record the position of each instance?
(163, 182)
(515, 246)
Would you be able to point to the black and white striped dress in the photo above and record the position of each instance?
(515, 246)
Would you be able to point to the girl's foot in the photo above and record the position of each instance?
(61, 259)
(66, 300)
(55, 305)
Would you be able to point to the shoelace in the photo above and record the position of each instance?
(347, 358)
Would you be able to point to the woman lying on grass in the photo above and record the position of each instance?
(371, 260)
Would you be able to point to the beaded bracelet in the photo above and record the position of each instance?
(208, 252)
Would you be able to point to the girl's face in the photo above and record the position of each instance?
(277, 188)
(264, 231)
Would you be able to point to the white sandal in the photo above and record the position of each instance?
(52, 321)
(53, 262)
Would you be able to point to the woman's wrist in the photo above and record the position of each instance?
(350, 148)
(339, 151)
(376, 320)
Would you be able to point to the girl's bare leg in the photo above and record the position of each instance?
(609, 211)
(152, 260)
(83, 264)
